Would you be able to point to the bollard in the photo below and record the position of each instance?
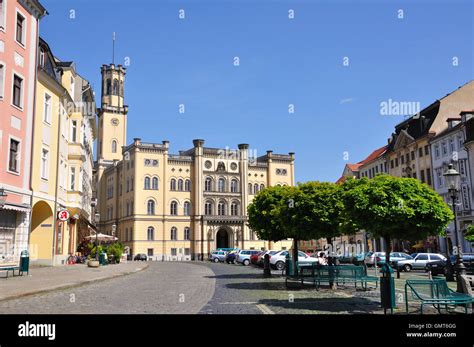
(266, 266)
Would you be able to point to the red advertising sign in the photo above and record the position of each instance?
(63, 215)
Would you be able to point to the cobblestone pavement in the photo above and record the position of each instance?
(176, 288)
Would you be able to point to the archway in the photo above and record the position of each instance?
(42, 227)
(222, 239)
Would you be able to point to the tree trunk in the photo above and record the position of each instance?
(295, 257)
(388, 249)
(332, 285)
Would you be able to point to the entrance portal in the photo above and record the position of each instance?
(222, 239)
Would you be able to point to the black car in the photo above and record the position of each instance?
(141, 257)
(438, 267)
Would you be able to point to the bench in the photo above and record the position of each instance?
(9, 268)
(435, 292)
(339, 274)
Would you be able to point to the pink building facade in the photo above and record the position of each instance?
(19, 21)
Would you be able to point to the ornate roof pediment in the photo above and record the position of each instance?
(403, 140)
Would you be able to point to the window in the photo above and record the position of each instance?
(187, 208)
(150, 236)
(41, 58)
(174, 208)
(74, 131)
(173, 184)
(422, 257)
(412, 155)
(396, 162)
(2, 76)
(452, 145)
(154, 184)
(422, 176)
(444, 148)
(147, 183)
(391, 164)
(208, 184)
(114, 146)
(262, 187)
(221, 208)
(187, 234)
(221, 185)
(439, 177)
(72, 87)
(437, 153)
(427, 150)
(174, 234)
(250, 188)
(2, 14)
(234, 209)
(187, 185)
(150, 252)
(17, 91)
(126, 234)
(73, 179)
(402, 159)
(234, 186)
(208, 208)
(108, 86)
(173, 252)
(151, 207)
(180, 185)
(420, 152)
(44, 163)
(20, 29)
(255, 188)
(14, 156)
(116, 87)
(460, 140)
(428, 176)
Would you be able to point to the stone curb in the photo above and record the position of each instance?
(71, 285)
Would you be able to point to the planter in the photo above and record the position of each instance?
(93, 263)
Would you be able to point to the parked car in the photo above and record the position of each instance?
(141, 257)
(262, 255)
(439, 267)
(244, 256)
(420, 261)
(395, 257)
(278, 260)
(217, 256)
(230, 257)
(254, 258)
(357, 258)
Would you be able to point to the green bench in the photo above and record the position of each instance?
(339, 274)
(10, 268)
(435, 292)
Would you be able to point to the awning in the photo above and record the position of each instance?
(17, 208)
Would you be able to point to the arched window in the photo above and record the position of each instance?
(114, 146)
(221, 185)
(208, 207)
(187, 208)
(121, 87)
(250, 188)
(154, 184)
(187, 185)
(174, 234)
(150, 234)
(221, 208)
(255, 188)
(151, 207)
(174, 208)
(173, 184)
(108, 86)
(187, 234)
(180, 185)
(208, 184)
(116, 87)
(126, 234)
(234, 208)
(147, 183)
(262, 187)
(234, 186)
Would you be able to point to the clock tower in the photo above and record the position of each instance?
(112, 114)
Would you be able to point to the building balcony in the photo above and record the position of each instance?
(77, 151)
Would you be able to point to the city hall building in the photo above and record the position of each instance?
(177, 206)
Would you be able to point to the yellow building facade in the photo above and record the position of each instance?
(178, 206)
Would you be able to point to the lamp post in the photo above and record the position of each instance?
(3, 197)
(452, 179)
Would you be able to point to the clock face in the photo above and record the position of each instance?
(233, 166)
(115, 121)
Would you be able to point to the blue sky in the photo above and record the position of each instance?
(299, 61)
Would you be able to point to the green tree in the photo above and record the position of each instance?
(470, 233)
(395, 208)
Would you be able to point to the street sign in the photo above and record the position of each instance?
(63, 215)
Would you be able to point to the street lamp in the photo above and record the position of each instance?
(452, 180)
(3, 197)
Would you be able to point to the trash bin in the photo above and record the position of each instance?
(102, 260)
(289, 271)
(387, 288)
(24, 262)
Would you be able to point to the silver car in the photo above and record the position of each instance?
(419, 262)
(217, 256)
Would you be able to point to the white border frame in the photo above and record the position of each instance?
(10, 138)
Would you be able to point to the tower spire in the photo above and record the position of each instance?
(113, 47)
